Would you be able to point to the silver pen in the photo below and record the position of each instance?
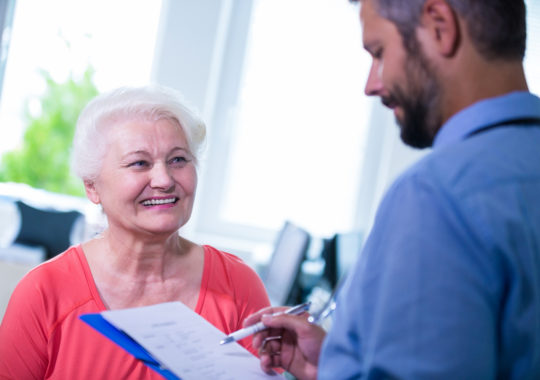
(245, 332)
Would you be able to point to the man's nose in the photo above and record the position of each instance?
(374, 85)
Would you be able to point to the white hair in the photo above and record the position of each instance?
(152, 103)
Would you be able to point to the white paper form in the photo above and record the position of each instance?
(185, 343)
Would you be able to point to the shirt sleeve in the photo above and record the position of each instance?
(23, 334)
(421, 302)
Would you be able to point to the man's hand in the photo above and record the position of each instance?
(290, 342)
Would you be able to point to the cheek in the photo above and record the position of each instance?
(392, 68)
(126, 187)
(379, 70)
(389, 73)
(188, 181)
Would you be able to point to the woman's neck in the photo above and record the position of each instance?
(132, 273)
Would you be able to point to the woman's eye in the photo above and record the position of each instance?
(138, 164)
(179, 160)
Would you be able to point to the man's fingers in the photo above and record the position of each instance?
(259, 339)
(294, 323)
(256, 317)
(266, 363)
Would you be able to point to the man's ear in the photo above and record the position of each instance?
(441, 23)
(91, 192)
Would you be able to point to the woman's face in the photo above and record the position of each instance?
(148, 178)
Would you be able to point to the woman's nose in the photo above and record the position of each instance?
(161, 177)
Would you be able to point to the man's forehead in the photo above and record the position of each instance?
(372, 23)
(368, 13)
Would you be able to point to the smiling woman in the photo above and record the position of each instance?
(148, 177)
(136, 150)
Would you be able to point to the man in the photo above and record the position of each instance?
(448, 283)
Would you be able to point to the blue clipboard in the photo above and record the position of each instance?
(119, 337)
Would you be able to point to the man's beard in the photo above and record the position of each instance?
(420, 102)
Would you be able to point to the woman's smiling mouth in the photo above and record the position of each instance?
(161, 201)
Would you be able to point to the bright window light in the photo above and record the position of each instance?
(63, 36)
(299, 131)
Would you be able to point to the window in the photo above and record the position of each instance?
(6, 19)
(532, 55)
(63, 37)
(297, 128)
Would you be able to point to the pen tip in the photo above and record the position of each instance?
(226, 340)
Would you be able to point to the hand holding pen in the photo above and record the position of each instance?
(259, 326)
(288, 341)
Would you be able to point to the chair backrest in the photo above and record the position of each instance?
(10, 274)
(50, 229)
(281, 274)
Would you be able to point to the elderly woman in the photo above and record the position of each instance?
(136, 152)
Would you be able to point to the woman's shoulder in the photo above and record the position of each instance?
(56, 267)
(226, 261)
(55, 276)
(226, 273)
(228, 270)
(50, 289)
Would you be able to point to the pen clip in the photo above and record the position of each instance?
(298, 309)
(324, 312)
(329, 306)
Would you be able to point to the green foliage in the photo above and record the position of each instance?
(43, 160)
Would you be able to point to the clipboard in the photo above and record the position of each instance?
(122, 339)
(173, 340)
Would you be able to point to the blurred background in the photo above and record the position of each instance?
(297, 157)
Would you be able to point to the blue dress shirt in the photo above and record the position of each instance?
(448, 283)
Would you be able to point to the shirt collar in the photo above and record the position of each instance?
(515, 105)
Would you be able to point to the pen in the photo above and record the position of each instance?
(245, 332)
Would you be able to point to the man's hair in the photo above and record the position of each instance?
(496, 27)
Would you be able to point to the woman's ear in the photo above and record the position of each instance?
(441, 23)
(91, 192)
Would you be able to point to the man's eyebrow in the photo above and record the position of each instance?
(369, 46)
